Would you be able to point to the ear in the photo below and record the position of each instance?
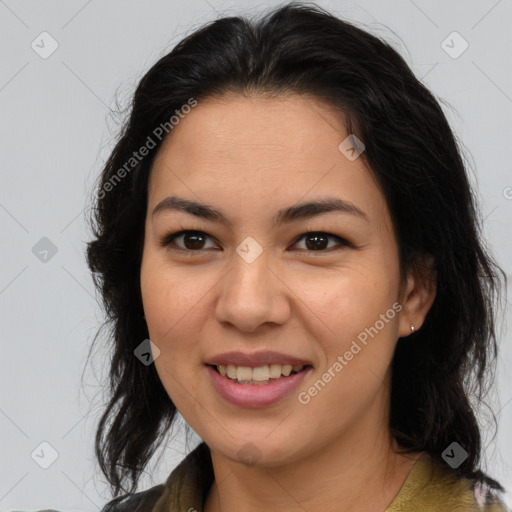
(418, 295)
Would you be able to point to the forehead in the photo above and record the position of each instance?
(256, 153)
(285, 127)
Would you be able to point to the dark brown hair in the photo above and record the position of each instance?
(414, 157)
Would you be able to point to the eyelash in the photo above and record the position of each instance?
(166, 241)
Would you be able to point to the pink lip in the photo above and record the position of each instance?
(263, 395)
(255, 359)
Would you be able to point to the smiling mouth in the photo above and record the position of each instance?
(260, 375)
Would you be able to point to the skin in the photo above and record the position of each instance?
(250, 157)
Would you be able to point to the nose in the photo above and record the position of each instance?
(252, 294)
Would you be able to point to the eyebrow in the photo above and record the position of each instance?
(285, 215)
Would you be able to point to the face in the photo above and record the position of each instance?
(257, 282)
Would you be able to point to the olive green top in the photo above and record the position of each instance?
(429, 487)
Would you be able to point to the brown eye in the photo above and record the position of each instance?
(191, 240)
(318, 241)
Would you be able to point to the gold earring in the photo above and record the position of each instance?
(412, 328)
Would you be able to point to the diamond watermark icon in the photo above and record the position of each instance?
(351, 147)
(44, 250)
(147, 352)
(44, 45)
(249, 249)
(44, 455)
(454, 45)
(249, 454)
(454, 455)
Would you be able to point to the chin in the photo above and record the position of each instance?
(252, 450)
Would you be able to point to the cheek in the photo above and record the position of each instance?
(175, 306)
(170, 298)
(349, 298)
(171, 305)
(356, 317)
(358, 335)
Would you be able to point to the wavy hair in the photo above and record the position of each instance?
(416, 160)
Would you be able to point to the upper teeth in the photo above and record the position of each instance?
(260, 373)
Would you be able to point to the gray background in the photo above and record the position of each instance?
(56, 132)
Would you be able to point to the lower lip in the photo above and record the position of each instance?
(258, 395)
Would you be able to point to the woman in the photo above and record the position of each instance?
(288, 219)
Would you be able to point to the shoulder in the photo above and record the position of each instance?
(139, 502)
(433, 487)
(184, 489)
(464, 494)
(487, 498)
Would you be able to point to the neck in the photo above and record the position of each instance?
(357, 473)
